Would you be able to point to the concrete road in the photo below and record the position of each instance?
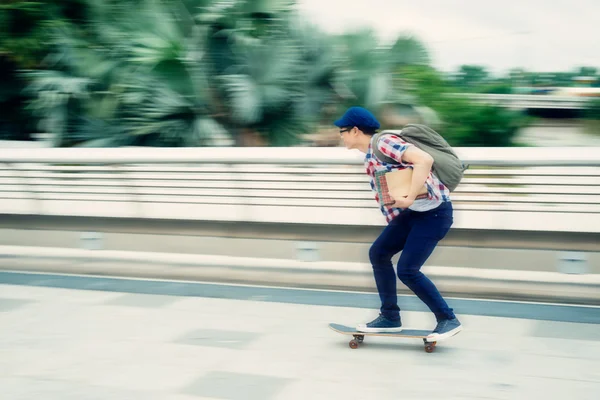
(67, 337)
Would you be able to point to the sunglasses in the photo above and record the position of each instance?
(345, 130)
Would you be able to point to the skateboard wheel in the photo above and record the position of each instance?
(353, 344)
(429, 348)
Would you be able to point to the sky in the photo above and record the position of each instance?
(538, 35)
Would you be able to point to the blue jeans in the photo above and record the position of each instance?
(416, 234)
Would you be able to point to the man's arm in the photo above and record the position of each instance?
(403, 152)
(422, 163)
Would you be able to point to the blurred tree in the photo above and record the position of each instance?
(462, 123)
(198, 72)
(591, 115)
(408, 50)
(588, 71)
(25, 31)
(592, 110)
(129, 82)
(22, 26)
(524, 78)
(469, 77)
(273, 80)
(363, 69)
(15, 122)
(183, 74)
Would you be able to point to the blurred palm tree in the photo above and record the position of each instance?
(22, 45)
(25, 41)
(183, 73)
(141, 81)
(363, 68)
(272, 71)
(203, 72)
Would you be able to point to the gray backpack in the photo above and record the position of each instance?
(446, 164)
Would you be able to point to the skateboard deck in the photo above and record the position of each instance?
(406, 333)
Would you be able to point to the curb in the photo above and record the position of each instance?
(456, 281)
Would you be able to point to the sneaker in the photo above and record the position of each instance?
(381, 324)
(445, 329)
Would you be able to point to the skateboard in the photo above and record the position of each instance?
(406, 333)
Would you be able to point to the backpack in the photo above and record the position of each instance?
(446, 164)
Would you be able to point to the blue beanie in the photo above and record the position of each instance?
(359, 117)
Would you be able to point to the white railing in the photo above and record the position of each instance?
(527, 100)
(538, 189)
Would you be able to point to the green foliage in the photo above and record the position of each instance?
(463, 123)
(22, 31)
(362, 68)
(408, 51)
(423, 82)
(520, 77)
(467, 124)
(211, 72)
(181, 74)
(26, 38)
(592, 110)
(469, 77)
(15, 121)
(496, 88)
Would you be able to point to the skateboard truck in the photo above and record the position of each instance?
(358, 339)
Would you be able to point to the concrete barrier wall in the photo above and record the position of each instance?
(522, 216)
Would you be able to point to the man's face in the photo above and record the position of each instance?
(348, 135)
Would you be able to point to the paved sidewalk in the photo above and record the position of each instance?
(62, 344)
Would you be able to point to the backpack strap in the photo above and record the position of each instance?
(378, 154)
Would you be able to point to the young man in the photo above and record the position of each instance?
(415, 225)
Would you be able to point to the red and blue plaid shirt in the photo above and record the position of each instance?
(393, 146)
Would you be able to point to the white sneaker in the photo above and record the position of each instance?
(445, 328)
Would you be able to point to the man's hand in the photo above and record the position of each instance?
(404, 202)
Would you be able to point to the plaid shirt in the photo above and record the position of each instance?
(393, 147)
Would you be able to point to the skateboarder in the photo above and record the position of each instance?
(415, 225)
